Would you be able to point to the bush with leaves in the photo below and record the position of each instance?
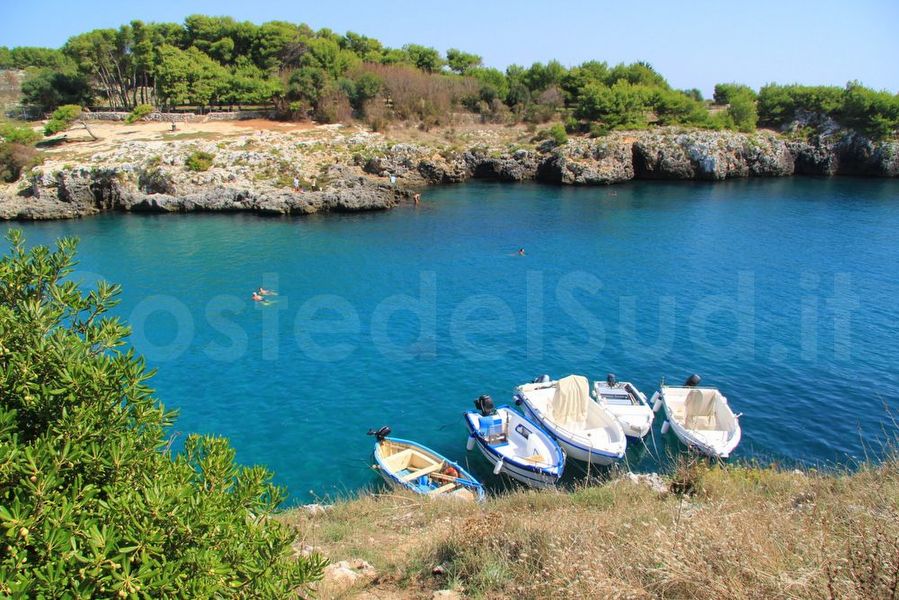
(742, 111)
(199, 161)
(16, 159)
(93, 504)
(140, 112)
(18, 134)
(64, 117)
(724, 92)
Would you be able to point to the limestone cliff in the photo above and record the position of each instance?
(362, 171)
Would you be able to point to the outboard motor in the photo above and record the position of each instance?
(693, 380)
(485, 406)
(611, 380)
(542, 379)
(381, 433)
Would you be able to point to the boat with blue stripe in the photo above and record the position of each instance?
(582, 427)
(409, 465)
(514, 445)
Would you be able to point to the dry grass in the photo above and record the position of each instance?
(740, 532)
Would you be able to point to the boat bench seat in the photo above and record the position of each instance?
(396, 462)
(702, 423)
(535, 459)
(421, 472)
(444, 488)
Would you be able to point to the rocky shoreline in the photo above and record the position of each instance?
(348, 171)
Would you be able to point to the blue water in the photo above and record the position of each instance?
(783, 293)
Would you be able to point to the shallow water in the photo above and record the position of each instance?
(782, 293)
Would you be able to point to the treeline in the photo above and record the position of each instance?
(217, 61)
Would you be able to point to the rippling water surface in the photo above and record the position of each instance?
(783, 293)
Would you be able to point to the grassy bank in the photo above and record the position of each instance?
(719, 532)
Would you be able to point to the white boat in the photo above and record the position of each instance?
(700, 417)
(409, 465)
(627, 404)
(582, 427)
(514, 445)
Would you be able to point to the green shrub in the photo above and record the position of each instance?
(15, 134)
(62, 118)
(140, 111)
(558, 134)
(199, 160)
(673, 107)
(93, 504)
(742, 111)
(724, 92)
(16, 158)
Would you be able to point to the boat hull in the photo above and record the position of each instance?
(635, 419)
(695, 440)
(528, 474)
(467, 480)
(572, 449)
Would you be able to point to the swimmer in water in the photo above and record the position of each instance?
(264, 292)
(521, 252)
(257, 297)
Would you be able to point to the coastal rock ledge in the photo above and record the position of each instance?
(364, 172)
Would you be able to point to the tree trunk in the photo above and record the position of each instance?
(88, 129)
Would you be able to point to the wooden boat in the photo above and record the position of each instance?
(627, 404)
(514, 445)
(582, 427)
(411, 466)
(700, 417)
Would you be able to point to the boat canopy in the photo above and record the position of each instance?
(571, 400)
(700, 410)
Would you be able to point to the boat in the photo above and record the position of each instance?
(627, 404)
(700, 417)
(583, 428)
(514, 445)
(409, 465)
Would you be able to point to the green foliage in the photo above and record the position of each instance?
(140, 111)
(874, 113)
(363, 88)
(62, 118)
(16, 159)
(695, 94)
(673, 107)
(199, 161)
(93, 504)
(47, 89)
(742, 111)
(423, 57)
(23, 57)
(621, 106)
(461, 62)
(216, 61)
(18, 134)
(189, 77)
(557, 134)
(725, 91)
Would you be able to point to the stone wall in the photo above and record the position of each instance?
(239, 115)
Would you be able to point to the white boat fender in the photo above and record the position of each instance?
(469, 445)
(665, 427)
(498, 467)
(656, 402)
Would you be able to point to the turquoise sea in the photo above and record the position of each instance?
(782, 293)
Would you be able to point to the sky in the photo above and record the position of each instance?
(692, 43)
